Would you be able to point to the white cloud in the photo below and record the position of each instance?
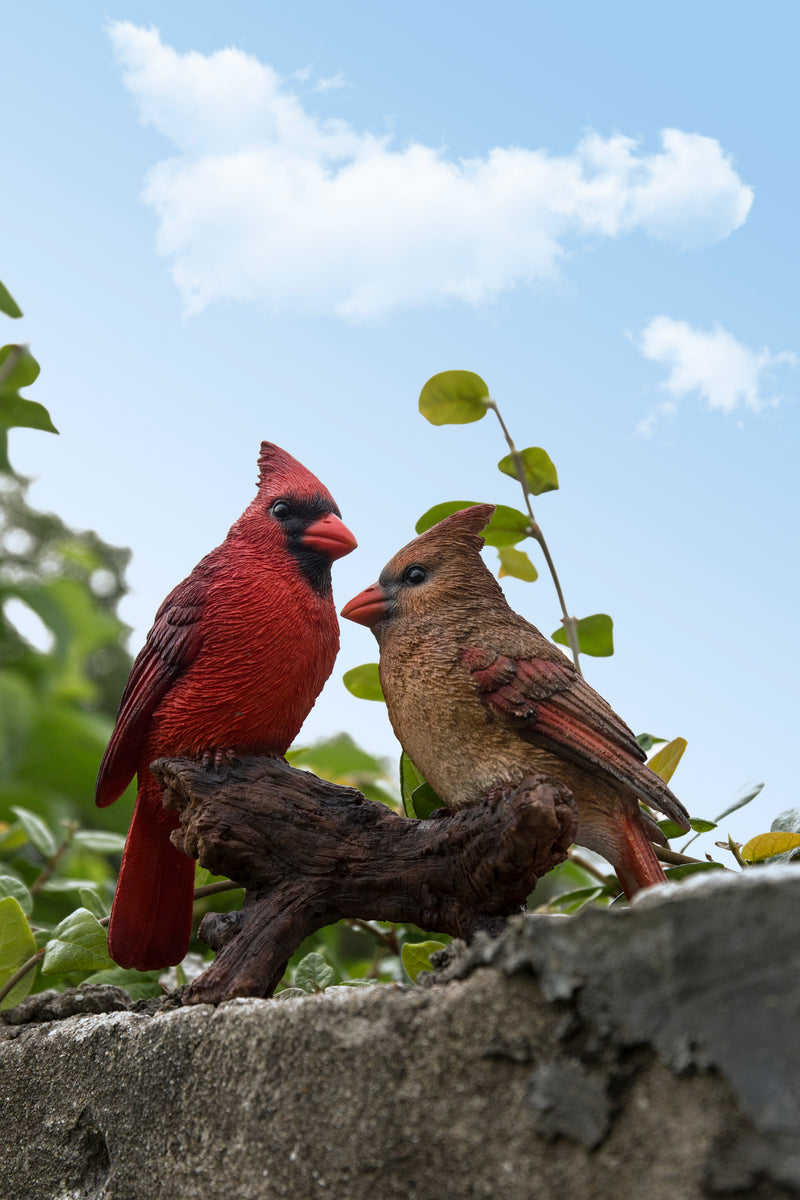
(713, 364)
(268, 202)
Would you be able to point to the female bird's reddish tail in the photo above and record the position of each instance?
(151, 918)
(635, 862)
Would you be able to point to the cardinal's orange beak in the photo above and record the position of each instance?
(330, 537)
(368, 607)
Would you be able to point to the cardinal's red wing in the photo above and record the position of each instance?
(549, 703)
(172, 645)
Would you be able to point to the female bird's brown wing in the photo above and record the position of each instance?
(172, 645)
(548, 703)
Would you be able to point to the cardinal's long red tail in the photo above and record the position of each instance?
(635, 863)
(151, 918)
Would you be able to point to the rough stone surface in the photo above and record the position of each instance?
(642, 1053)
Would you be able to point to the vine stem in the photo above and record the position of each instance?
(569, 623)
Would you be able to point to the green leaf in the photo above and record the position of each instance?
(410, 780)
(314, 973)
(749, 794)
(364, 682)
(540, 473)
(416, 957)
(701, 826)
(506, 526)
(78, 943)
(595, 635)
(337, 759)
(8, 304)
(670, 829)
(516, 562)
(92, 902)
(686, 869)
(17, 412)
(11, 886)
(38, 832)
(454, 398)
(17, 945)
(424, 801)
(99, 841)
(648, 740)
(570, 902)
(665, 761)
(767, 845)
(439, 511)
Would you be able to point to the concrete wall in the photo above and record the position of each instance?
(646, 1053)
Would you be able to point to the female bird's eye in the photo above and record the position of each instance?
(280, 509)
(414, 575)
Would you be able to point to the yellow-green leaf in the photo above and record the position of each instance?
(540, 472)
(667, 758)
(767, 845)
(454, 398)
(516, 562)
(17, 945)
(416, 957)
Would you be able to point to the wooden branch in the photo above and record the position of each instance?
(310, 853)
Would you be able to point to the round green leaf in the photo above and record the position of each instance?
(364, 682)
(23, 372)
(17, 945)
(416, 957)
(540, 473)
(454, 398)
(78, 943)
(516, 562)
(314, 973)
(595, 635)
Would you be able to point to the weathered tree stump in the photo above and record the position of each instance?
(310, 853)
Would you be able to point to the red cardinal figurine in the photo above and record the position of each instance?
(233, 664)
(478, 698)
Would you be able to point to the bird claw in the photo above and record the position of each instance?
(215, 759)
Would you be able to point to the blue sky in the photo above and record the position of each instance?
(287, 239)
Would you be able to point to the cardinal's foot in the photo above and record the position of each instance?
(215, 759)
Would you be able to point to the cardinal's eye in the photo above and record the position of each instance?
(280, 509)
(414, 575)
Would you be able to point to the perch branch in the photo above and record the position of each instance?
(310, 853)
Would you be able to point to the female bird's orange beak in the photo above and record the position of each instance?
(368, 607)
(330, 537)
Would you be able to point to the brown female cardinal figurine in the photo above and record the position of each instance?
(478, 698)
(234, 662)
